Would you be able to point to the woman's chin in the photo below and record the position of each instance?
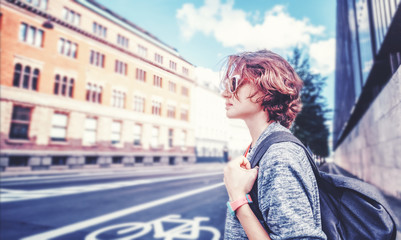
(231, 114)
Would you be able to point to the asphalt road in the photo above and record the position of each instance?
(164, 203)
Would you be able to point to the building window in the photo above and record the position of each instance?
(156, 159)
(31, 35)
(90, 129)
(157, 81)
(155, 137)
(138, 159)
(25, 77)
(183, 139)
(156, 107)
(185, 71)
(140, 75)
(171, 111)
(120, 67)
(117, 160)
(364, 36)
(395, 61)
(18, 161)
(58, 131)
(142, 51)
(184, 114)
(122, 41)
(172, 86)
(184, 91)
(158, 58)
(173, 65)
(63, 86)
(118, 99)
(59, 160)
(115, 132)
(67, 48)
(170, 137)
(90, 160)
(71, 16)
(97, 59)
(20, 120)
(139, 104)
(42, 4)
(99, 30)
(93, 93)
(137, 135)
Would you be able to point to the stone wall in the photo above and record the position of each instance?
(372, 151)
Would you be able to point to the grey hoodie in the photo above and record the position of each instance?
(287, 193)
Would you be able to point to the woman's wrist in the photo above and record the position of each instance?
(236, 196)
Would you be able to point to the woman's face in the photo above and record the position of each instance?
(242, 107)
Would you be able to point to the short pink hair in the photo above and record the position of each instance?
(274, 77)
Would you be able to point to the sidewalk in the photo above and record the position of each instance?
(79, 171)
(393, 202)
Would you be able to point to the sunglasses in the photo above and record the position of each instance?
(231, 84)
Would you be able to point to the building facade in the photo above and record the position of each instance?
(81, 87)
(217, 138)
(367, 124)
(211, 124)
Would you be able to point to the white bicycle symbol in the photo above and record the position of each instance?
(188, 229)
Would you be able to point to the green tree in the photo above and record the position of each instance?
(310, 125)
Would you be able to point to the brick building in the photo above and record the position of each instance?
(83, 87)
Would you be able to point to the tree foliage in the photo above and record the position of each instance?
(310, 125)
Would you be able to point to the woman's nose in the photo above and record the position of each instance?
(226, 94)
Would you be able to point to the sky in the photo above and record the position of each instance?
(206, 31)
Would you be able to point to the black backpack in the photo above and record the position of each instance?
(350, 208)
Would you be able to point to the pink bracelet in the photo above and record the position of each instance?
(234, 205)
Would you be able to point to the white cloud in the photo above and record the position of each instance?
(275, 29)
(202, 19)
(207, 76)
(233, 27)
(322, 54)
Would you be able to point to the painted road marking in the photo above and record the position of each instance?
(183, 229)
(117, 214)
(78, 174)
(12, 196)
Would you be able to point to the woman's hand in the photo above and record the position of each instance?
(239, 177)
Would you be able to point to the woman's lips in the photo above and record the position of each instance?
(228, 105)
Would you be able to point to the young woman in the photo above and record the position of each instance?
(263, 89)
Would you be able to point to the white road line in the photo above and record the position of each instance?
(5, 190)
(10, 196)
(15, 179)
(72, 175)
(117, 214)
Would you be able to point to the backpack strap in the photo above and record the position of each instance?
(275, 137)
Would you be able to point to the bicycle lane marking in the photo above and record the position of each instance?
(97, 220)
(189, 229)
